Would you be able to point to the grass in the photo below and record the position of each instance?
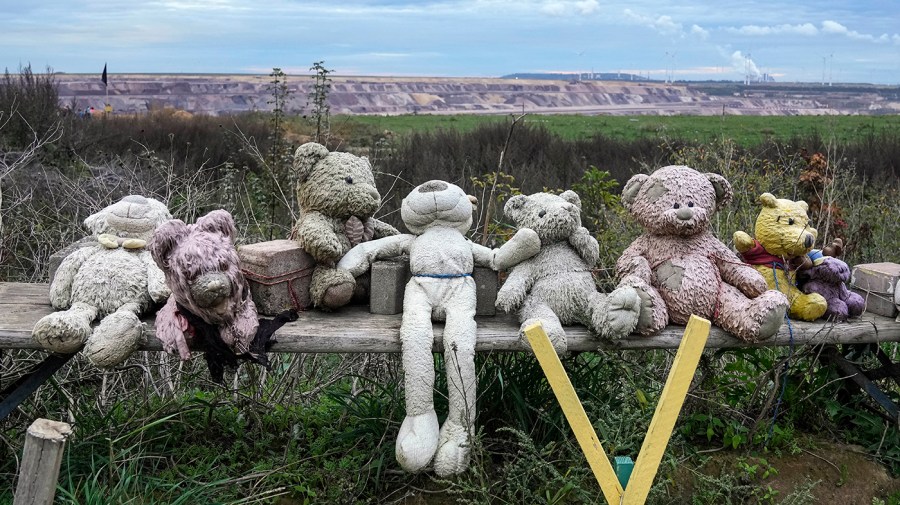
(744, 130)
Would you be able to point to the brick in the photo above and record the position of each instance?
(279, 273)
(57, 257)
(388, 283)
(485, 291)
(877, 303)
(876, 277)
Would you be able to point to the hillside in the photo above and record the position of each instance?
(222, 94)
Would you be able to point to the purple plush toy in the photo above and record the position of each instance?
(828, 277)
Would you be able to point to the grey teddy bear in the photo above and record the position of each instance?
(556, 286)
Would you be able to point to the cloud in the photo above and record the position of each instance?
(568, 8)
(744, 65)
(662, 24)
(700, 32)
(756, 30)
(835, 28)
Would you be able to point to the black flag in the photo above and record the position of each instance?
(103, 77)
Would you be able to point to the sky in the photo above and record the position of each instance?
(836, 41)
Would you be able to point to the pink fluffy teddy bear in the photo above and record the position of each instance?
(680, 268)
(210, 302)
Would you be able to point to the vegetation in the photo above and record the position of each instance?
(320, 428)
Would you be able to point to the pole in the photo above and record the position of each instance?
(41, 457)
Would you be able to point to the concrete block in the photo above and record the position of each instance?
(486, 291)
(878, 284)
(388, 284)
(57, 257)
(279, 273)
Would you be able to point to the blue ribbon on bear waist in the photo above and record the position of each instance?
(443, 276)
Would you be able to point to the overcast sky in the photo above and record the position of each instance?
(847, 41)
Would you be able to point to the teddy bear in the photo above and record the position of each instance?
(556, 286)
(783, 239)
(681, 268)
(337, 197)
(210, 301)
(828, 276)
(114, 279)
(441, 259)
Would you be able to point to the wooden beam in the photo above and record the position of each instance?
(354, 329)
(41, 457)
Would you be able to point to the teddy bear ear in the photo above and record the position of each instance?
(515, 205)
(218, 221)
(632, 188)
(165, 239)
(571, 197)
(803, 205)
(306, 157)
(724, 192)
(768, 200)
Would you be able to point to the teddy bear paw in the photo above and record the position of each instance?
(554, 332)
(453, 450)
(417, 441)
(59, 332)
(623, 314)
(115, 338)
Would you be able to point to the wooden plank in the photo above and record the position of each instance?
(670, 402)
(41, 457)
(574, 412)
(354, 329)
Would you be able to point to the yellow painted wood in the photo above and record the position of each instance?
(667, 410)
(575, 414)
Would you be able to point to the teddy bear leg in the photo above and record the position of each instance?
(65, 331)
(654, 315)
(455, 443)
(417, 440)
(855, 304)
(616, 315)
(539, 312)
(750, 319)
(115, 338)
(331, 288)
(837, 310)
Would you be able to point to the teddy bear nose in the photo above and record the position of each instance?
(808, 241)
(210, 289)
(685, 213)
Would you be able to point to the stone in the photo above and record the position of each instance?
(877, 283)
(57, 257)
(388, 284)
(278, 273)
(485, 291)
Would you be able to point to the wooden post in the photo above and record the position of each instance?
(44, 444)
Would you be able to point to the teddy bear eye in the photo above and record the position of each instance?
(542, 213)
(348, 179)
(690, 204)
(677, 206)
(790, 221)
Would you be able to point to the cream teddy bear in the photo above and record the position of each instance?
(441, 261)
(115, 280)
(556, 287)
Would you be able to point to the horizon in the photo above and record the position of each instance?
(809, 42)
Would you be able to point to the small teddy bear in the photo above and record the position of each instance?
(681, 268)
(115, 280)
(783, 239)
(210, 301)
(441, 260)
(828, 276)
(337, 197)
(556, 286)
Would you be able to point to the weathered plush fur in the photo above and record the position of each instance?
(556, 286)
(337, 196)
(682, 268)
(828, 278)
(115, 280)
(783, 239)
(203, 272)
(441, 259)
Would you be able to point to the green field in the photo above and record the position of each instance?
(745, 130)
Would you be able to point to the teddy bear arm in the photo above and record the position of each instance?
(383, 229)
(742, 241)
(156, 280)
(633, 263)
(317, 236)
(513, 292)
(170, 330)
(360, 258)
(523, 245)
(585, 245)
(61, 288)
(740, 275)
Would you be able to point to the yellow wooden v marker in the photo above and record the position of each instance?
(661, 426)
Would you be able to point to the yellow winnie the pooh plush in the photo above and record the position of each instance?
(783, 239)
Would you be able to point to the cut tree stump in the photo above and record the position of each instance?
(44, 444)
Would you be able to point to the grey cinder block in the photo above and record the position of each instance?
(57, 257)
(388, 283)
(486, 291)
(278, 273)
(877, 283)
